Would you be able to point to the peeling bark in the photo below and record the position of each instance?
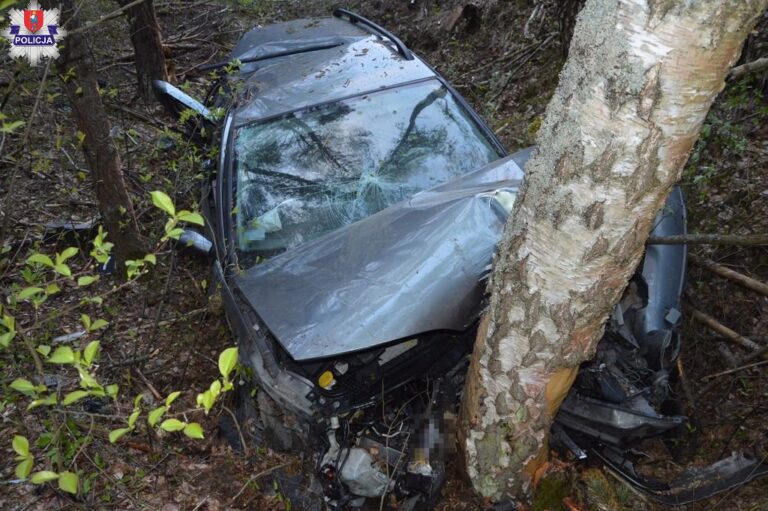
(640, 78)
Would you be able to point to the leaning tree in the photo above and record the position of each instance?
(637, 85)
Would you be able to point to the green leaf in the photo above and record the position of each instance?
(172, 425)
(63, 269)
(174, 233)
(162, 201)
(215, 388)
(90, 352)
(117, 434)
(87, 380)
(150, 258)
(52, 289)
(74, 396)
(133, 418)
(43, 349)
(43, 477)
(86, 280)
(62, 355)
(23, 386)
(194, 430)
(192, 218)
(24, 468)
(29, 292)
(21, 446)
(85, 319)
(227, 361)
(112, 390)
(171, 398)
(8, 322)
(6, 338)
(99, 323)
(46, 401)
(40, 259)
(10, 127)
(155, 415)
(66, 254)
(206, 400)
(68, 482)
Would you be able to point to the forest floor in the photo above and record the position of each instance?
(165, 332)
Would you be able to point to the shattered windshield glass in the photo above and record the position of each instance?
(310, 172)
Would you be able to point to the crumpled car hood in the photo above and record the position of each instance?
(408, 269)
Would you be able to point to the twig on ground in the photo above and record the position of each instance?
(139, 115)
(710, 239)
(239, 431)
(741, 279)
(721, 329)
(149, 385)
(519, 65)
(127, 362)
(735, 369)
(203, 501)
(256, 476)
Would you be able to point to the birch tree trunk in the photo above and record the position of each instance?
(640, 78)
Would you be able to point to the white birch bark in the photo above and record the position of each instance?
(640, 78)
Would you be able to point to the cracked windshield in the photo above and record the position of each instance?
(308, 173)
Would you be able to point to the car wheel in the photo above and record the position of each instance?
(265, 423)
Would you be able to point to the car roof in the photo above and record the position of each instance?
(318, 61)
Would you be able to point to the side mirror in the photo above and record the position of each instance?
(195, 241)
(176, 101)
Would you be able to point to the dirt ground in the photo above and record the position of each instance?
(166, 332)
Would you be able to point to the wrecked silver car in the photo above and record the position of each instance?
(352, 219)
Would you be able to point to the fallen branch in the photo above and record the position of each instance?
(750, 67)
(748, 282)
(149, 385)
(735, 369)
(138, 115)
(721, 329)
(762, 352)
(239, 431)
(260, 474)
(710, 239)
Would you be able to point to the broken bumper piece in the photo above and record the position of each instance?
(691, 485)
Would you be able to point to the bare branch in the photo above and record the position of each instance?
(735, 369)
(712, 323)
(750, 67)
(711, 239)
(748, 282)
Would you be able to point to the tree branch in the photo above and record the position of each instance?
(712, 323)
(711, 239)
(748, 282)
(750, 67)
